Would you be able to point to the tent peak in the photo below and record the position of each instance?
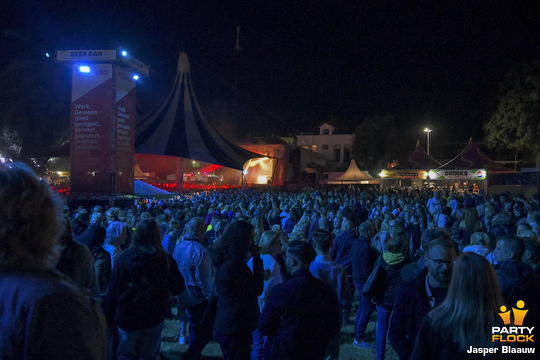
(183, 63)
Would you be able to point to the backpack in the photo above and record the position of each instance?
(140, 298)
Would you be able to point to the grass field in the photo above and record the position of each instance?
(172, 350)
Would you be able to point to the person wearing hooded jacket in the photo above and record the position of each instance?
(142, 281)
(516, 279)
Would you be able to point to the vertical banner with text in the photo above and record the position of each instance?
(125, 132)
(91, 116)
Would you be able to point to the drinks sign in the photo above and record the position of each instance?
(475, 174)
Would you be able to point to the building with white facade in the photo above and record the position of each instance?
(336, 148)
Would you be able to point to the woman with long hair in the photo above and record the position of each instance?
(258, 225)
(270, 244)
(469, 225)
(44, 314)
(137, 301)
(237, 289)
(465, 318)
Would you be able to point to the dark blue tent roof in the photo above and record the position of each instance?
(473, 158)
(177, 127)
(417, 160)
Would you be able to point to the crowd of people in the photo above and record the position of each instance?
(268, 273)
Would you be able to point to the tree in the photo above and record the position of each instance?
(35, 99)
(515, 124)
(376, 139)
(10, 143)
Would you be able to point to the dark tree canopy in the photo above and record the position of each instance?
(35, 96)
(378, 139)
(515, 123)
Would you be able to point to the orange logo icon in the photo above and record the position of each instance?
(519, 314)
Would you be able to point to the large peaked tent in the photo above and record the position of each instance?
(353, 175)
(414, 167)
(177, 127)
(419, 159)
(473, 158)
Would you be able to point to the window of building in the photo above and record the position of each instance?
(346, 153)
(314, 148)
(337, 153)
(326, 131)
(325, 147)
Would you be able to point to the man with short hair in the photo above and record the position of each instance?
(417, 297)
(517, 280)
(196, 267)
(333, 274)
(432, 202)
(531, 255)
(302, 314)
(411, 270)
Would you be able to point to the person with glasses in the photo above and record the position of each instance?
(465, 318)
(418, 296)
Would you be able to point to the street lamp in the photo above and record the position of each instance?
(428, 136)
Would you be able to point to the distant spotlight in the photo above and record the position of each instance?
(135, 77)
(47, 55)
(84, 68)
(124, 53)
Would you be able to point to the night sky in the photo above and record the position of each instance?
(303, 63)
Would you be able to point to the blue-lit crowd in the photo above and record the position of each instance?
(268, 273)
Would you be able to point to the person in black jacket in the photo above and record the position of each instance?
(394, 256)
(465, 318)
(302, 314)
(517, 279)
(137, 301)
(237, 288)
(44, 314)
(363, 258)
(418, 296)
